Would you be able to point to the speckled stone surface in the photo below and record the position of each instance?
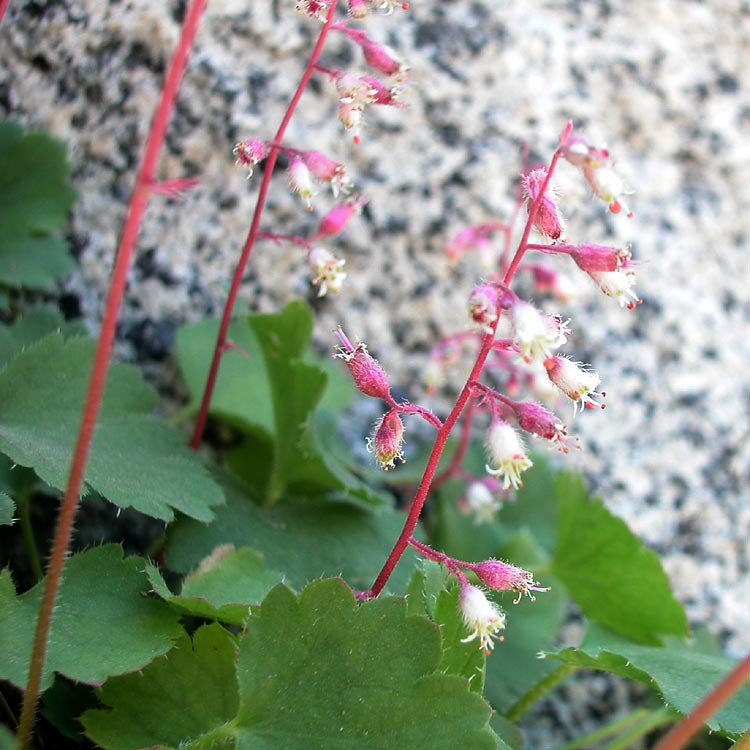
(665, 84)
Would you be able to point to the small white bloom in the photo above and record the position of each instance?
(480, 503)
(301, 181)
(574, 380)
(617, 284)
(326, 270)
(507, 455)
(481, 616)
(536, 334)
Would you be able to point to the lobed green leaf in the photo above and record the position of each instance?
(102, 625)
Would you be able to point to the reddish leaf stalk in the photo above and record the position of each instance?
(138, 201)
(679, 735)
(253, 234)
(425, 483)
(3, 8)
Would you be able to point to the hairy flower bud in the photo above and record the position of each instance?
(337, 218)
(503, 576)
(250, 152)
(382, 58)
(547, 220)
(327, 170)
(537, 420)
(387, 440)
(480, 615)
(301, 181)
(598, 257)
(369, 377)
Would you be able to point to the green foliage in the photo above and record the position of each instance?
(286, 448)
(102, 624)
(174, 700)
(223, 587)
(680, 671)
(609, 573)
(7, 509)
(377, 673)
(35, 198)
(303, 539)
(136, 459)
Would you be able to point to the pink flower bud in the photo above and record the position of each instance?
(537, 420)
(301, 181)
(580, 153)
(505, 577)
(337, 218)
(576, 381)
(387, 440)
(480, 615)
(369, 377)
(547, 220)
(326, 269)
(382, 58)
(598, 257)
(250, 152)
(484, 306)
(549, 281)
(327, 170)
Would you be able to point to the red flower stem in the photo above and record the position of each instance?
(463, 446)
(3, 8)
(425, 483)
(138, 200)
(680, 734)
(252, 235)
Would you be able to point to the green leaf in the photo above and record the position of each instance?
(321, 672)
(242, 395)
(7, 510)
(609, 573)
(135, 460)
(102, 624)
(7, 739)
(514, 668)
(680, 672)
(35, 324)
(464, 659)
(272, 391)
(35, 198)
(508, 733)
(174, 701)
(64, 702)
(424, 587)
(302, 539)
(223, 587)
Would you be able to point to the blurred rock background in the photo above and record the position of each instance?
(664, 84)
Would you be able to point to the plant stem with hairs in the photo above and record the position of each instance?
(144, 186)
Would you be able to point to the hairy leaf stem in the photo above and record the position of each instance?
(139, 198)
(466, 393)
(680, 735)
(253, 233)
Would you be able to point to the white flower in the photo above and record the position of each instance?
(617, 284)
(507, 455)
(536, 334)
(481, 616)
(301, 181)
(480, 503)
(326, 270)
(576, 381)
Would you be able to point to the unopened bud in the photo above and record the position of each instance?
(382, 58)
(369, 377)
(358, 8)
(537, 420)
(505, 577)
(387, 440)
(337, 218)
(547, 219)
(327, 170)
(301, 181)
